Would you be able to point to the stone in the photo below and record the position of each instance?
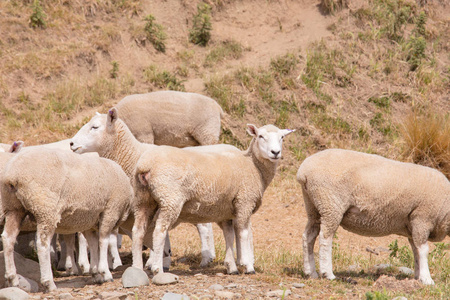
(133, 277)
(65, 296)
(353, 268)
(400, 298)
(406, 271)
(13, 293)
(26, 267)
(231, 286)
(382, 267)
(224, 294)
(28, 285)
(279, 293)
(216, 287)
(113, 296)
(173, 296)
(298, 285)
(165, 278)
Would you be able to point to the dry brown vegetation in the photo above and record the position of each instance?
(371, 76)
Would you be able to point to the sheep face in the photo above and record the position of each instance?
(89, 138)
(269, 140)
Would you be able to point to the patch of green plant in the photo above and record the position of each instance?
(219, 88)
(378, 295)
(155, 33)
(285, 64)
(227, 137)
(331, 124)
(200, 33)
(37, 18)
(400, 97)
(113, 73)
(381, 124)
(415, 49)
(403, 254)
(332, 6)
(226, 49)
(163, 79)
(381, 102)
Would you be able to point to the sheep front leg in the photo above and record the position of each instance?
(141, 216)
(309, 238)
(44, 234)
(10, 232)
(83, 258)
(69, 257)
(167, 257)
(327, 230)
(228, 233)
(205, 232)
(245, 237)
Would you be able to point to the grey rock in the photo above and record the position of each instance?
(224, 294)
(173, 296)
(24, 266)
(298, 285)
(165, 278)
(113, 296)
(382, 267)
(400, 298)
(406, 271)
(353, 268)
(278, 293)
(133, 277)
(65, 296)
(13, 293)
(216, 287)
(28, 285)
(231, 286)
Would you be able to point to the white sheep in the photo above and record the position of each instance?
(64, 193)
(373, 196)
(119, 144)
(217, 183)
(172, 118)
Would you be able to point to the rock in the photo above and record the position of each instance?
(26, 267)
(298, 285)
(65, 296)
(400, 298)
(173, 296)
(133, 277)
(113, 296)
(165, 278)
(216, 287)
(382, 267)
(279, 293)
(231, 286)
(406, 271)
(224, 294)
(13, 293)
(353, 268)
(28, 285)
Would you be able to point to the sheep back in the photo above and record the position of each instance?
(69, 189)
(375, 196)
(172, 118)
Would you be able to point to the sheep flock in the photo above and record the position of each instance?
(157, 164)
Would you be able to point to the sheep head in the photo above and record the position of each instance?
(268, 140)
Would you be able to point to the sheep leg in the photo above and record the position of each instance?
(327, 230)
(228, 233)
(10, 232)
(83, 258)
(69, 261)
(104, 235)
(416, 258)
(44, 234)
(113, 249)
(309, 238)
(205, 232)
(141, 217)
(93, 241)
(245, 237)
(167, 257)
(420, 233)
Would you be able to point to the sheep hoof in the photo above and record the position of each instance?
(426, 281)
(234, 273)
(251, 272)
(49, 286)
(165, 269)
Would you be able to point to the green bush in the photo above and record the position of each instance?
(37, 18)
(155, 33)
(200, 33)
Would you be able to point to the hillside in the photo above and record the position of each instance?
(373, 76)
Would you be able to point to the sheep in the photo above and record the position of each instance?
(119, 144)
(373, 196)
(64, 193)
(172, 118)
(216, 183)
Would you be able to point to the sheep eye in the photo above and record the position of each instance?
(94, 127)
(261, 137)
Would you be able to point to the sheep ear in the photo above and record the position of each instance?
(112, 116)
(252, 130)
(285, 132)
(16, 146)
(97, 113)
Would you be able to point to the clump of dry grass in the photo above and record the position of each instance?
(427, 138)
(331, 6)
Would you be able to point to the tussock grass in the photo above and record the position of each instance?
(225, 50)
(163, 79)
(427, 139)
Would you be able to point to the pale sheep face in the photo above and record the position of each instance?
(89, 137)
(269, 140)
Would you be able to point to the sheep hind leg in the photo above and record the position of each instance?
(83, 257)
(228, 233)
(9, 236)
(309, 238)
(139, 231)
(206, 234)
(44, 234)
(93, 243)
(68, 255)
(114, 250)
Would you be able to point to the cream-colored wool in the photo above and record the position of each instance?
(172, 118)
(373, 196)
(64, 193)
(217, 183)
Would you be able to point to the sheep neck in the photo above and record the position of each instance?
(265, 167)
(126, 149)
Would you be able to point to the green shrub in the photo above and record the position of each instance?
(163, 79)
(37, 18)
(114, 70)
(200, 33)
(155, 33)
(226, 49)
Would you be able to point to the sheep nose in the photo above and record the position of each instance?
(275, 152)
(71, 144)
